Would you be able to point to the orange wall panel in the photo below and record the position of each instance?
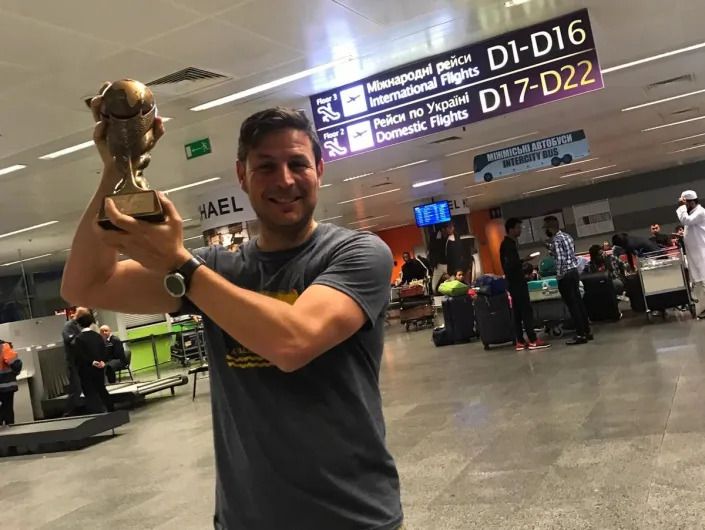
(489, 234)
(400, 240)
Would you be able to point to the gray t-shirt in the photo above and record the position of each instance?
(304, 450)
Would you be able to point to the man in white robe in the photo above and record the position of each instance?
(692, 215)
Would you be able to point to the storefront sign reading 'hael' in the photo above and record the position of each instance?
(223, 207)
(547, 62)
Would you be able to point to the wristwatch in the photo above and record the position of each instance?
(177, 282)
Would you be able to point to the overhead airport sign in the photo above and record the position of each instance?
(528, 67)
(553, 151)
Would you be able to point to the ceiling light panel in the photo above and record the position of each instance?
(21, 230)
(272, 84)
(664, 100)
(192, 185)
(370, 196)
(477, 148)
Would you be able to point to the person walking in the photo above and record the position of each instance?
(691, 214)
(518, 288)
(563, 250)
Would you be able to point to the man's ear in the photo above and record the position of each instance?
(241, 175)
(319, 171)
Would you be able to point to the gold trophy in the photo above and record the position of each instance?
(128, 110)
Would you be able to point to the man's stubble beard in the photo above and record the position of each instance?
(290, 230)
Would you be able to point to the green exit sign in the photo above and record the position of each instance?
(198, 148)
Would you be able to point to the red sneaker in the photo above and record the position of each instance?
(539, 345)
(521, 346)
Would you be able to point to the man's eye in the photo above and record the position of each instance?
(266, 167)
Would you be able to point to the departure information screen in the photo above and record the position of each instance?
(547, 62)
(432, 214)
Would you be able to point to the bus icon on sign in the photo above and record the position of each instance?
(353, 100)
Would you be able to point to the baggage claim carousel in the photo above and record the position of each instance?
(50, 380)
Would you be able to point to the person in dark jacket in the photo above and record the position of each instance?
(412, 269)
(512, 265)
(661, 239)
(91, 355)
(10, 367)
(68, 334)
(634, 246)
(115, 354)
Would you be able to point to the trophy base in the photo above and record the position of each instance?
(142, 205)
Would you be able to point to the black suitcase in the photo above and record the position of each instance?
(600, 298)
(633, 289)
(494, 320)
(441, 337)
(459, 317)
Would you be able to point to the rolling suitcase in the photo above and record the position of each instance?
(633, 289)
(494, 320)
(600, 299)
(459, 316)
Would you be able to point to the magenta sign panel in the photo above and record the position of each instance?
(547, 62)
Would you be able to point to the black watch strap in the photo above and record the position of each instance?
(187, 269)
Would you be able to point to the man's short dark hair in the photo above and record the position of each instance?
(85, 320)
(511, 223)
(276, 119)
(595, 251)
(620, 240)
(680, 227)
(550, 219)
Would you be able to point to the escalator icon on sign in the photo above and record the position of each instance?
(327, 113)
(334, 148)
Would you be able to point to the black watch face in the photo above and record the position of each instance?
(175, 284)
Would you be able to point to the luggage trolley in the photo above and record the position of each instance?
(416, 306)
(664, 282)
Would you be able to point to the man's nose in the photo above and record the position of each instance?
(284, 176)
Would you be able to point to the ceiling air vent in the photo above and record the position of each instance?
(444, 140)
(681, 114)
(187, 81)
(181, 83)
(666, 86)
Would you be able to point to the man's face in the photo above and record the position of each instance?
(690, 205)
(681, 232)
(459, 276)
(406, 257)
(281, 178)
(450, 230)
(655, 229)
(105, 331)
(516, 230)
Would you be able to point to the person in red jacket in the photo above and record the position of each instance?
(10, 367)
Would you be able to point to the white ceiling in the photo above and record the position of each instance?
(63, 51)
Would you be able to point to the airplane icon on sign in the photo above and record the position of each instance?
(353, 100)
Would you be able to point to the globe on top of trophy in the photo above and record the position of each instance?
(126, 99)
(129, 110)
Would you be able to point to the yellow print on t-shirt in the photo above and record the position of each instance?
(241, 357)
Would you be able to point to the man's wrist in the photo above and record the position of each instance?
(182, 256)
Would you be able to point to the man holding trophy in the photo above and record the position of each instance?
(294, 318)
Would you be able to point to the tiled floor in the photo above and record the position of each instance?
(605, 436)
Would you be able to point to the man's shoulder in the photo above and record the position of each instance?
(334, 238)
